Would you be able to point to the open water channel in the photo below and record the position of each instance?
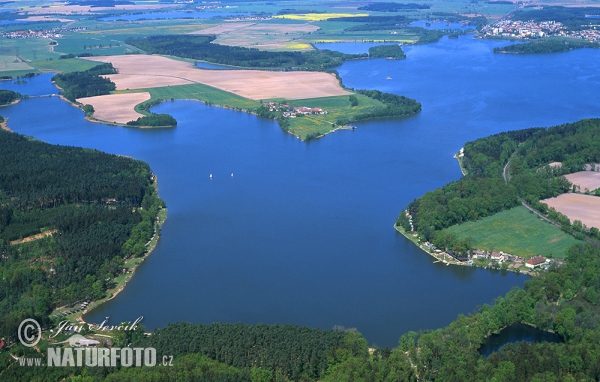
(303, 232)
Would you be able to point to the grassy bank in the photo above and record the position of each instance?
(516, 231)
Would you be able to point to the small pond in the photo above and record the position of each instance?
(515, 333)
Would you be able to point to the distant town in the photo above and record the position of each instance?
(530, 29)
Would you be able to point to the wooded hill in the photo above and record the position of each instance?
(103, 208)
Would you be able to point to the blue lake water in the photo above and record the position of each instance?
(172, 15)
(303, 232)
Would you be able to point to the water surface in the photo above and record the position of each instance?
(302, 233)
(516, 333)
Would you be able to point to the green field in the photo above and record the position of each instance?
(336, 107)
(64, 66)
(203, 93)
(516, 231)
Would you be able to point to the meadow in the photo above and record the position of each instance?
(202, 93)
(518, 232)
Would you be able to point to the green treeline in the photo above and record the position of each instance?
(373, 23)
(572, 18)
(154, 120)
(295, 352)
(395, 105)
(483, 191)
(102, 209)
(392, 7)
(9, 96)
(564, 300)
(201, 48)
(387, 51)
(87, 83)
(550, 45)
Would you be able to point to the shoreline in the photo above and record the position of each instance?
(445, 258)
(4, 126)
(112, 293)
(439, 257)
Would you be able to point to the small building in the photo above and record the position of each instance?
(496, 256)
(535, 262)
(87, 342)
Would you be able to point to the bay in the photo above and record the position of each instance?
(303, 232)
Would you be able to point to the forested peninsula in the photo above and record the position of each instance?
(503, 171)
(70, 219)
(546, 46)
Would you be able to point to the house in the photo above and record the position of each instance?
(535, 261)
(87, 342)
(496, 256)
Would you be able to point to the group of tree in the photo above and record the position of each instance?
(547, 45)
(9, 96)
(87, 83)
(154, 120)
(395, 106)
(483, 191)
(200, 47)
(101, 209)
(387, 51)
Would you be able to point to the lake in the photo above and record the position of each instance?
(303, 232)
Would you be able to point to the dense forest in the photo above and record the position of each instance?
(199, 47)
(572, 18)
(97, 210)
(484, 192)
(550, 45)
(88, 83)
(387, 51)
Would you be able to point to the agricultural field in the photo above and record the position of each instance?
(252, 84)
(589, 180)
(516, 231)
(64, 66)
(117, 108)
(585, 208)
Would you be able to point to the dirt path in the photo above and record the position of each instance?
(33, 237)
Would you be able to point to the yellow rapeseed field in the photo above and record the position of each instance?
(319, 16)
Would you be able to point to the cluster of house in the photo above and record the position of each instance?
(45, 33)
(531, 29)
(495, 257)
(290, 112)
(71, 311)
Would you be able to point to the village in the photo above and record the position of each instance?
(289, 112)
(491, 259)
(480, 257)
(530, 29)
